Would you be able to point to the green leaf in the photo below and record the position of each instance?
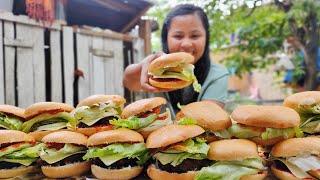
(10, 122)
(134, 122)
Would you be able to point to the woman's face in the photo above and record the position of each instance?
(187, 34)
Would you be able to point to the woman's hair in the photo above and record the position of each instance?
(203, 64)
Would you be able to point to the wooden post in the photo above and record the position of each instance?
(145, 34)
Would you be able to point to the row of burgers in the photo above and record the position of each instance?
(203, 142)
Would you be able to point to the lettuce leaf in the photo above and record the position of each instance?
(295, 170)
(242, 132)
(134, 122)
(187, 121)
(52, 155)
(10, 122)
(311, 125)
(224, 134)
(285, 133)
(13, 148)
(306, 162)
(24, 161)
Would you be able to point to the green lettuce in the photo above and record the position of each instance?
(311, 125)
(134, 122)
(224, 134)
(285, 133)
(10, 122)
(308, 109)
(187, 121)
(242, 132)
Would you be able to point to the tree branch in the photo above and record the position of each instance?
(252, 10)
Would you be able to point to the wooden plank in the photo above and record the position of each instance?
(39, 64)
(98, 68)
(56, 68)
(118, 63)
(17, 42)
(109, 75)
(10, 85)
(83, 65)
(2, 70)
(106, 34)
(68, 64)
(25, 76)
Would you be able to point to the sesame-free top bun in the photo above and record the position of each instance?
(302, 98)
(208, 115)
(113, 136)
(94, 99)
(170, 60)
(8, 109)
(141, 106)
(297, 146)
(232, 149)
(67, 137)
(42, 107)
(12, 136)
(171, 134)
(266, 116)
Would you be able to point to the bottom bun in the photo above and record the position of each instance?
(170, 84)
(40, 134)
(254, 177)
(92, 130)
(9, 173)
(283, 175)
(267, 142)
(125, 173)
(155, 174)
(74, 169)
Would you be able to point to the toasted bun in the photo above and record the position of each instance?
(297, 146)
(113, 136)
(141, 106)
(12, 136)
(125, 173)
(8, 109)
(302, 98)
(170, 84)
(232, 149)
(171, 134)
(40, 134)
(267, 142)
(67, 137)
(266, 116)
(42, 107)
(145, 133)
(9, 173)
(208, 115)
(68, 170)
(170, 60)
(88, 131)
(254, 177)
(283, 175)
(157, 174)
(94, 99)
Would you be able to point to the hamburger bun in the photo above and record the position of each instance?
(68, 170)
(13, 110)
(266, 116)
(12, 136)
(306, 98)
(88, 131)
(268, 142)
(43, 107)
(232, 149)
(66, 137)
(40, 134)
(142, 106)
(207, 114)
(173, 84)
(10, 173)
(283, 175)
(94, 99)
(254, 177)
(124, 173)
(157, 174)
(115, 136)
(177, 133)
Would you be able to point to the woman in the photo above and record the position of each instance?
(185, 29)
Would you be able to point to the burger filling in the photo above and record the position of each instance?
(8, 121)
(311, 125)
(122, 163)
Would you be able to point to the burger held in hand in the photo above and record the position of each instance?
(62, 154)
(11, 117)
(307, 104)
(296, 158)
(18, 153)
(173, 71)
(46, 117)
(177, 152)
(144, 116)
(211, 117)
(265, 125)
(234, 159)
(117, 154)
(94, 113)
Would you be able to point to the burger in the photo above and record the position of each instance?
(45, 117)
(18, 153)
(234, 159)
(93, 113)
(211, 117)
(177, 152)
(62, 154)
(307, 104)
(11, 117)
(265, 125)
(173, 71)
(117, 154)
(144, 116)
(297, 158)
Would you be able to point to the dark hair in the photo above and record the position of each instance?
(203, 65)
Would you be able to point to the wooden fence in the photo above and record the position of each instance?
(40, 65)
